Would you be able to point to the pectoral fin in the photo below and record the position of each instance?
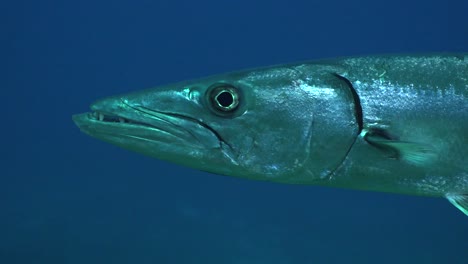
(411, 152)
(460, 201)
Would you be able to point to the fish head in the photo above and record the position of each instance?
(266, 124)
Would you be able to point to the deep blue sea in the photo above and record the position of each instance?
(68, 198)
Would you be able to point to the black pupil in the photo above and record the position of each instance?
(225, 99)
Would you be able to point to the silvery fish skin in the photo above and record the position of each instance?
(394, 124)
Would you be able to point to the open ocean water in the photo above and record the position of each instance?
(68, 198)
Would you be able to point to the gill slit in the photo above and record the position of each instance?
(358, 116)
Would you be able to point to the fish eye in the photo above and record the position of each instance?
(223, 98)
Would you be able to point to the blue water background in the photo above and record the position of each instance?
(68, 198)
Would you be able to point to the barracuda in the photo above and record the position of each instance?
(394, 124)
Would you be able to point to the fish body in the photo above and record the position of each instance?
(394, 124)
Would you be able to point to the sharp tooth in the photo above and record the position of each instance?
(121, 120)
(101, 117)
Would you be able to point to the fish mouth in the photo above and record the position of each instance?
(109, 119)
(129, 125)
